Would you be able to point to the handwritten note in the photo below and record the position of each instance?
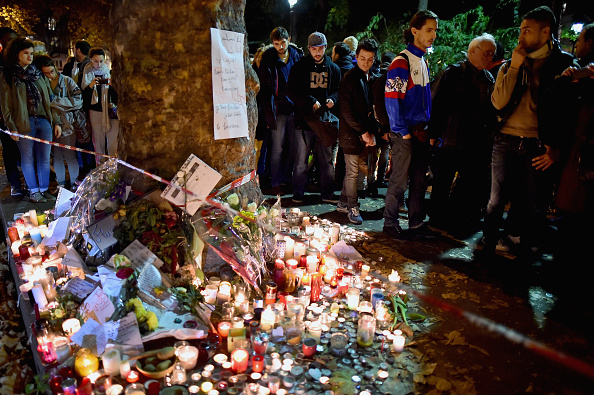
(124, 332)
(195, 176)
(139, 255)
(73, 259)
(79, 288)
(91, 335)
(228, 84)
(97, 306)
(102, 232)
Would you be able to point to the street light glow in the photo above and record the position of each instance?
(292, 3)
(577, 27)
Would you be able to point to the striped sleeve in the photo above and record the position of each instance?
(397, 84)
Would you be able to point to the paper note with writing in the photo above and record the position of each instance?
(97, 306)
(102, 232)
(63, 201)
(228, 84)
(195, 176)
(124, 332)
(73, 259)
(91, 335)
(139, 255)
(111, 284)
(57, 231)
(149, 278)
(79, 288)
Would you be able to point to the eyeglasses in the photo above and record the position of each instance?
(486, 54)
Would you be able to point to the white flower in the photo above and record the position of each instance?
(252, 207)
(233, 200)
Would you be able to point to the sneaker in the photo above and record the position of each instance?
(423, 232)
(37, 197)
(48, 195)
(342, 207)
(297, 198)
(14, 191)
(394, 231)
(332, 199)
(354, 216)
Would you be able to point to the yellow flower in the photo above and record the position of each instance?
(152, 321)
(158, 291)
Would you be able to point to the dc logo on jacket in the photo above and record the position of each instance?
(318, 80)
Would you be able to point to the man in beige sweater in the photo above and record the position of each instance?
(526, 148)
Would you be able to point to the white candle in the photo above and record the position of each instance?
(364, 270)
(111, 362)
(224, 294)
(312, 264)
(71, 326)
(289, 247)
(298, 250)
(188, 355)
(394, 278)
(267, 319)
(125, 367)
(210, 293)
(398, 341)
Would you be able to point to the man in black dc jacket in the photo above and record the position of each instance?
(313, 88)
(357, 123)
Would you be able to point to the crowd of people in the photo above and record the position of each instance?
(501, 142)
(76, 107)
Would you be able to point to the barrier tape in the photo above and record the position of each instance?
(479, 321)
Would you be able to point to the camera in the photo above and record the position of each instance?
(103, 81)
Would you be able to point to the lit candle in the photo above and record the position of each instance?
(258, 363)
(125, 367)
(206, 386)
(220, 358)
(239, 360)
(382, 374)
(394, 278)
(292, 263)
(210, 293)
(364, 270)
(188, 356)
(398, 341)
(224, 294)
(71, 326)
(267, 319)
(353, 298)
(305, 279)
(111, 361)
(312, 264)
(223, 328)
(305, 221)
(298, 250)
(132, 376)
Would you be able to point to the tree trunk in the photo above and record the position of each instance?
(162, 73)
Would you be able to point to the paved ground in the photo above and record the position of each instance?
(542, 300)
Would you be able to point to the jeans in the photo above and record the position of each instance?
(410, 161)
(304, 142)
(32, 152)
(281, 157)
(349, 185)
(515, 180)
(68, 155)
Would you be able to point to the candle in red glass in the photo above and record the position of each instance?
(239, 360)
(316, 287)
(224, 327)
(56, 384)
(24, 252)
(309, 347)
(13, 234)
(279, 274)
(132, 376)
(258, 363)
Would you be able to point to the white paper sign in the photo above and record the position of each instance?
(195, 176)
(139, 255)
(63, 201)
(124, 332)
(97, 306)
(73, 259)
(79, 288)
(228, 84)
(91, 335)
(102, 232)
(57, 231)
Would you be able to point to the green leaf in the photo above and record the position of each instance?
(416, 317)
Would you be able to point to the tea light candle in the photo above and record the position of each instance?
(382, 374)
(206, 386)
(305, 221)
(132, 376)
(194, 389)
(239, 360)
(394, 278)
(292, 263)
(188, 356)
(398, 341)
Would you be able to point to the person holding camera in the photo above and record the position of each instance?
(100, 99)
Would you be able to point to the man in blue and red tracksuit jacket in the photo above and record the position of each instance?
(408, 104)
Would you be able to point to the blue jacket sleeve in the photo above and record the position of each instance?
(395, 92)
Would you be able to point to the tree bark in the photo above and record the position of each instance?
(162, 73)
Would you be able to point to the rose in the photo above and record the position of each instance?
(124, 273)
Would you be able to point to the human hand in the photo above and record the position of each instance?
(546, 160)
(518, 56)
(368, 139)
(15, 138)
(329, 103)
(94, 82)
(317, 106)
(57, 131)
(386, 136)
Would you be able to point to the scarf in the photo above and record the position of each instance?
(89, 74)
(28, 77)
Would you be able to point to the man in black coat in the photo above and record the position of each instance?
(81, 59)
(357, 124)
(313, 88)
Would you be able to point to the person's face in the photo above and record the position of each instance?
(318, 53)
(425, 36)
(26, 57)
(97, 61)
(533, 35)
(281, 46)
(365, 60)
(481, 55)
(79, 56)
(582, 46)
(50, 72)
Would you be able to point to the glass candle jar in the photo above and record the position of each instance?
(62, 348)
(85, 362)
(366, 330)
(239, 360)
(353, 298)
(338, 343)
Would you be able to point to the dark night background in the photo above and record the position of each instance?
(310, 15)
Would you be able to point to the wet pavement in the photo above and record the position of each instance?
(447, 353)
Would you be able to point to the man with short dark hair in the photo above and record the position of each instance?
(81, 59)
(357, 125)
(584, 46)
(313, 87)
(526, 148)
(277, 108)
(408, 104)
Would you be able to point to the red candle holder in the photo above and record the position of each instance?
(309, 347)
(258, 363)
(239, 360)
